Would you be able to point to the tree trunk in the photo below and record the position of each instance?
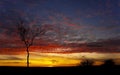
(27, 56)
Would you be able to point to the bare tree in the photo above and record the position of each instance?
(87, 62)
(27, 34)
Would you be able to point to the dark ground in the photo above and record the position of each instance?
(94, 70)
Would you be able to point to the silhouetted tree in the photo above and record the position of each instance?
(87, 62)
(109, 62)
(28, 33)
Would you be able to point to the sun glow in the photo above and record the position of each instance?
(53, 59)
(41, 61)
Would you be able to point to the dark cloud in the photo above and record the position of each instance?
(73, 21)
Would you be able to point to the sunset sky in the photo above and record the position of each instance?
(89, 28)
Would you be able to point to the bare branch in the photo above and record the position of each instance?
(28, 33)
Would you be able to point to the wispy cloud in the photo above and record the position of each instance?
(10, 57)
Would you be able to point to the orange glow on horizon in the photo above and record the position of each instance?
(51, 56)
(42, 62)
(54, 62)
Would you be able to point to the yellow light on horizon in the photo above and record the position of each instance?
(54, 62)
(42, 62)
(51, 59)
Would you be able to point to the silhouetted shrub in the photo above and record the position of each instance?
(109, 62)
(87, 62)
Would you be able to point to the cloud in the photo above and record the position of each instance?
(93, 23)
(109, 45)
(109, 28)
(10, 57)
(58, 18)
